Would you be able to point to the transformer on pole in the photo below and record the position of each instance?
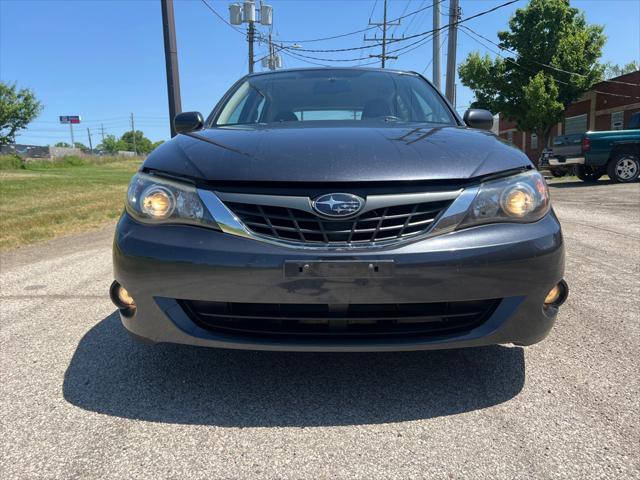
(247, 13)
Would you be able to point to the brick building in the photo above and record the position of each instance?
(596, 111)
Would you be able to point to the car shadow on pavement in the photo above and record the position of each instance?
(112, 374)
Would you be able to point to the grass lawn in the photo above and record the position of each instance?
(41, 201)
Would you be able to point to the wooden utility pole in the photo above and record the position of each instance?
(133, 131)
(90, 144)
(383, 56)
(251, 33)
(171, 60)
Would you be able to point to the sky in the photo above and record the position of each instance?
(104, 59)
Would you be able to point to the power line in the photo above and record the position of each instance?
(405, 49)
(410, 37)
(206, 4)
(355, 32)
(412, 19)
(431, 61)
(404, 10)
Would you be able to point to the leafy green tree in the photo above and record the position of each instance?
(156, 144)
(62, 145)
(111, 145)
(612, 70)
(141, 145)
(530, 84)
(17, 109)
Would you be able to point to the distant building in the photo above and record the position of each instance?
(595, 111)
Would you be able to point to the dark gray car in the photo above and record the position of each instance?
(338, 209)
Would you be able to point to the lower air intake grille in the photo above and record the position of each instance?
(383, 224)
(340, 320)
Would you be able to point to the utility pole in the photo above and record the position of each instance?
(133, 131)
(454, 17)
(436, 45)
(383, 57)
(90, 144)
(251, 33)
(73, 143)
(102, 129)
(171, 60)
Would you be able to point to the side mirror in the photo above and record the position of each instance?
(188, 122)
(478, 118)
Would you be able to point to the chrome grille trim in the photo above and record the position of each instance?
(304, 203)
(230, 223)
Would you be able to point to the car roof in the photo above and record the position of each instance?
(354, 69)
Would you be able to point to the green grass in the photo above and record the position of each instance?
(42, 200)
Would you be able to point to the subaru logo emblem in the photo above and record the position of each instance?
(338, 205)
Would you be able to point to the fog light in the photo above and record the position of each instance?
(553, 295)
(121, 298)
(557, 295)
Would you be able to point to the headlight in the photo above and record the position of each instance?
(153, 199)
(520, 198)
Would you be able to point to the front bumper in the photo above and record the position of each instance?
(516, 263)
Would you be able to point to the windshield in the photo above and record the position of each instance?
(320, 95)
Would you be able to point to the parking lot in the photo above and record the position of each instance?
(80, 399)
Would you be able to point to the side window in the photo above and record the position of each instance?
(424, 110)
(245, 106)
(617, 120)
(235, 113)
(428, 110)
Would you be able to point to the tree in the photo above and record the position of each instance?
(17, 109)
(111, 145)
(62, 145)
(156, 144)
(612, 70)
(141, 145)
(550, 60)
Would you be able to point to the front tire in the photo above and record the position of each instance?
(624, 167)
(587, 174)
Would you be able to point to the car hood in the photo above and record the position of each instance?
(327, 152)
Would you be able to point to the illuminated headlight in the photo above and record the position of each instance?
(152, 199)
(519, 198)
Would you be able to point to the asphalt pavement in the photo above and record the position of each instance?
(80, 399)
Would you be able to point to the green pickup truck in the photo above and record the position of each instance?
(594, 154)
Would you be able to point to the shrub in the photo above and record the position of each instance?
(11, 162)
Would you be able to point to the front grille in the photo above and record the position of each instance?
(340, 320)
(382, 224)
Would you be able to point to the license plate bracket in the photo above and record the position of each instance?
(339, 269)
